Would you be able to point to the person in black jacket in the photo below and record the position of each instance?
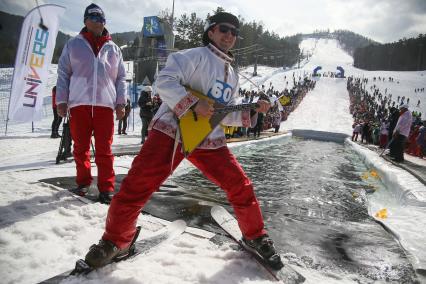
(56, 118)
(122, 124)
(146, 112)
(393, 119)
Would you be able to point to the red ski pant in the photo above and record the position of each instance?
(150, 169)
(383, 140)
(85, 120)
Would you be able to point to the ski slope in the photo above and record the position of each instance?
(43, 231)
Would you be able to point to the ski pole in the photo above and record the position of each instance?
(387, 146)
(62, 143)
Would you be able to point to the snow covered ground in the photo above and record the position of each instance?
(43, 230)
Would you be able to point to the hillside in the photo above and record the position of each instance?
(349, 41)
(9, 38)
(10, 29)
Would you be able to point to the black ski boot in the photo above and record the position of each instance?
(263, 246)
(104, 253)
(105, 197)
(81, 190)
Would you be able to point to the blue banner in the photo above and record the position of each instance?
(161, 48)
(151, 27)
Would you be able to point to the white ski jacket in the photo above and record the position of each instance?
(84, 79)
(204, 69)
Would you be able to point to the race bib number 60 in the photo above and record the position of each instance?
(220, 92)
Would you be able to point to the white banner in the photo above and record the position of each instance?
(128, 66)
(33, 58)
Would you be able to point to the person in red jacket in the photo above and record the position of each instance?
(91, 85)
(56, 118)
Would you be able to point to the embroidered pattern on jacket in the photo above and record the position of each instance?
(164, 127)
(219, 53)
(245, 118)
(213, 143)
(183, 105)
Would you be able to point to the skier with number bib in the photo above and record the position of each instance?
(208, 70)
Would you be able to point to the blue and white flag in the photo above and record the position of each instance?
(151, 27)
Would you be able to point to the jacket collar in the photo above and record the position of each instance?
(227, 57)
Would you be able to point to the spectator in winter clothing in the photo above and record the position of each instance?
(208, 70)
(421, 140)
(400, 134)
(357, 129)
(259, 125)
(91, 85)
(146, 110)
(122, 123)
(384, 130)
(156, 103)
(366, 135)
(56, 118)
(276, 116)
(393, 119)
(411, 144)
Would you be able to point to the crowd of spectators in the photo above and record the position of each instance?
(376, 115)
(278, 112)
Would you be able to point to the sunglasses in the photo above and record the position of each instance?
(224, 29)
(97, 19)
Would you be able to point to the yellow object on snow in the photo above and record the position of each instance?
(374, 174)
(382, 214)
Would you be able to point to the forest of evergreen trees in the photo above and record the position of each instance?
(403, 55)
(255, 45)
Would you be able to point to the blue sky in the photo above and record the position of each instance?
(381, 20)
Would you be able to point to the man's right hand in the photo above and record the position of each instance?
(62, 109)
(204, 109)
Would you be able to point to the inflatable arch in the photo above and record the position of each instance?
(316, 70)
(342, 72)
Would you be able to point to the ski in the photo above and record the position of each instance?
(140, 247)
(230, 225)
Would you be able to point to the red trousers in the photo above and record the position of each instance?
(150, 169)
(383, 140)
(101, 123)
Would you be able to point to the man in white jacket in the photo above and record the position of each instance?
(208, 70)
(91, 85)
(400, 134)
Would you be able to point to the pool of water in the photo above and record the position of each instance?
(313, 197)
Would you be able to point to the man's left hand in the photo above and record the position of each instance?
(119, 112)
(263, 106)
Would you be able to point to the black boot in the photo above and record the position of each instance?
(104, 253)
(81, 190)
(105, 197)
(264, 247)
